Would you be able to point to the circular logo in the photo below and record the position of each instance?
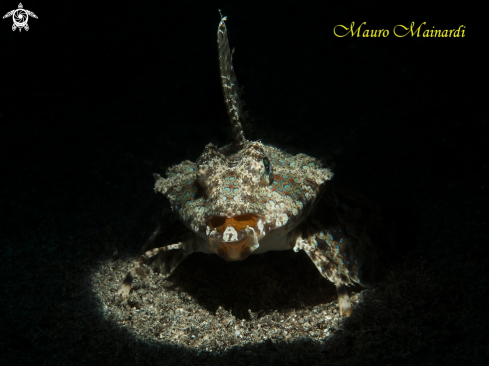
(20, 17)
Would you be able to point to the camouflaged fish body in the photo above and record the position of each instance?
(248, 197)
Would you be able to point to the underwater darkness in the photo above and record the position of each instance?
(97, 97)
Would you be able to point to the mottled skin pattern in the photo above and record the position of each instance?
(248, 197)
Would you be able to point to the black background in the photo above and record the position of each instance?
(96, 97)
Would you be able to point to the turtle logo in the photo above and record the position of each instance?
(20, 17)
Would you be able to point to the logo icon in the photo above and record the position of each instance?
(20, 17)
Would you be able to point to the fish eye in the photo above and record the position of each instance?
(268, 169)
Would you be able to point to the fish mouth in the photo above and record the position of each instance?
(235, 238)
(234, 251)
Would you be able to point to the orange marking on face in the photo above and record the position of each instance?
(237, 222)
